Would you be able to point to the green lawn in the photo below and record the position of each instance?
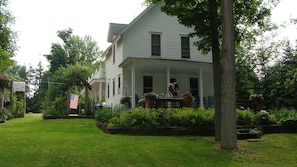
(32, 141)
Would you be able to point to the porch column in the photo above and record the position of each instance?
(133, 85)
(201, 87)
(168, 78)
(100, 91)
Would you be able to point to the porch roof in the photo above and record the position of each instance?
(149, 65)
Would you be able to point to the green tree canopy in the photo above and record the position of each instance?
(7, 37)
(73, 49)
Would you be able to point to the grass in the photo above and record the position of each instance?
(31, 141)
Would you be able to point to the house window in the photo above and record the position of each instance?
(147, 84)
(113, 87)
(108, 90)
(119, 84)
(185, 47)
(113, 53)
(194, 87)
(156, 45)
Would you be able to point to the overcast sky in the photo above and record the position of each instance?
(37, 22)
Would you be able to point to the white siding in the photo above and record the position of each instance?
(137, 39)
(112, 73)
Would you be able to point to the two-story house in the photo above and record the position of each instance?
(150, 53)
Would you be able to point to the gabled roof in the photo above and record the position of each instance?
(79, 77)
(114, 30)
(118, 29)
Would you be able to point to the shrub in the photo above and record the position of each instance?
(139, 117)
(58, 107)
(245, 117)
(264, 118)
(208, 116)
(103, 116)
(285, 116)
(162, 117)
(3, 115)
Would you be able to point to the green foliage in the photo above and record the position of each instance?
(74, 49)
(245, 117)
(33, 142)
(18, 108)
(57, 107)
(280, 83)
(285, 115)
(3, 115)
(7, 37)
(103, 116)
(264, 118)
(161, 117)
(59, 90)
(140, 117)
(253, 14)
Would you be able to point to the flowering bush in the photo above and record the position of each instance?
(187, 95)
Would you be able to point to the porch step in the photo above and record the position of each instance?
(243, 133)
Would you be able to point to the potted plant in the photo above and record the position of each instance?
(257, 101)
(150, 100)
(126, 100)
(188, 98)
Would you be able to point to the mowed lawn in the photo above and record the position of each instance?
(33, 142)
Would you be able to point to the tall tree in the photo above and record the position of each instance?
(74, 49)
(215, 47)
(279, 80)
(229, 135)
(7, 37)
(201, 16)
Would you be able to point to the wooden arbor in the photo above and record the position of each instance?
(77, 79)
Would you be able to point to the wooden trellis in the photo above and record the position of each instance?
(88, 87)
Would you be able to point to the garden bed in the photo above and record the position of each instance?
(199, 131)
(160, 131)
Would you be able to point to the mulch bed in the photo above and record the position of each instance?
(199, 131)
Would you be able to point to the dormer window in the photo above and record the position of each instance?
(156, 44)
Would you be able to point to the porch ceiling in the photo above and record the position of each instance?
(152, 65)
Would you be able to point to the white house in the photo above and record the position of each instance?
(150, 53)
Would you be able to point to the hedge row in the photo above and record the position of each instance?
(140, 117)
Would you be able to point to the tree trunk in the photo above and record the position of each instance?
(216, 59)
(229, 137)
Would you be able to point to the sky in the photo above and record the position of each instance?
(37, 22)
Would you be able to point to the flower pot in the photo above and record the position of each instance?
(150, 103)
(188, 102)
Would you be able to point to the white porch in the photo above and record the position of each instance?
(162, 71)
(98, 83)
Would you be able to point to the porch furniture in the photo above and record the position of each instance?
(164, 102)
